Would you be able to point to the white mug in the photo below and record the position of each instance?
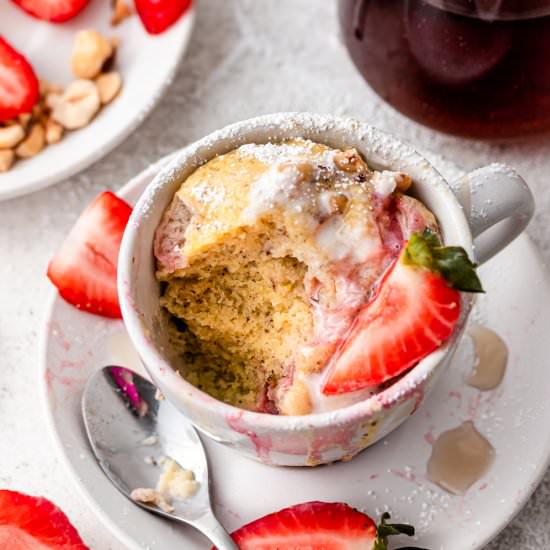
(491, 207)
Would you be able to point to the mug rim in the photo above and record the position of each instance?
(284, 126)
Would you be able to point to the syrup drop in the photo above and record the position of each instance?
(460, 457)
(491, 358)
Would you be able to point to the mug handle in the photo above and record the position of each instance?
(498, 204)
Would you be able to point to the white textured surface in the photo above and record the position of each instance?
(246, 58)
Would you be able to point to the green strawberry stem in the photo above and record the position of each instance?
(451, 262)
(385, 530)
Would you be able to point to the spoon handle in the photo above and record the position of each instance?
(208, 525)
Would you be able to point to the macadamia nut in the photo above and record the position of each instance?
(7, 156)
(33, 143)
(108, 85)
(90, 51)
(10, 136)
(77, 106)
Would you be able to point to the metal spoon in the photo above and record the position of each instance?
(129, 429)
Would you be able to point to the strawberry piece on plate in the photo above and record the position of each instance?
(18, 83)
(55, 11)
(413, 312)
(84, 269)
(158, 15)
(318, 526)
(35, 523)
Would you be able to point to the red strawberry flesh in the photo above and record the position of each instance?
(84, 269)
(311, 526)
(158, 15)
(55, 11)
(413, 311)
(35, 523)
(18, 83)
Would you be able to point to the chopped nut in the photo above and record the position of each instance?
(403, 181)
(108, 85)
(44, 86)
(24, 119)
(7, 156)
(47, 88)
(90, 51)
(338, 203)
(304, 170)
(350, 161)
(52, 99)
(33, 143)
(121, 11)
(77, 106)
(10, 136)
(43, 118)
(55, 88)
(37, 110)
(54, 131)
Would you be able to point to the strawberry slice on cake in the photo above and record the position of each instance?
(413, 311)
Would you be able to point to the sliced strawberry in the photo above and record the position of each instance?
(312, 525)
(18, 83)
(84, 269)
(413, 311)
(34, 523)
(55, 11)
(158, 15)
(318, 526)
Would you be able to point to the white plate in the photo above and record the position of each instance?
(147, 65)
(388, 476)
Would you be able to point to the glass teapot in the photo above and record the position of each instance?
(477, 68)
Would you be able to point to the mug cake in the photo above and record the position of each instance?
(265, 256)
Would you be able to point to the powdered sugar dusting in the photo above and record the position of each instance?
(205, 194)
(379, 147)
(278, 153)
(384, 182)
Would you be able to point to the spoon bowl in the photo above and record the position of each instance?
(131, 429)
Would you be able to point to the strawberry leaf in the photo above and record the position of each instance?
(451, 262)
(385, 530)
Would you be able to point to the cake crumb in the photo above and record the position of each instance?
(175, 481)
(152, 496)
(159, 396)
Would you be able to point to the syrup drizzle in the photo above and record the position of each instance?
(491, 358)
(460, 457)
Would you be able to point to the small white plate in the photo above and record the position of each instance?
(146, 63)
(390, 475)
